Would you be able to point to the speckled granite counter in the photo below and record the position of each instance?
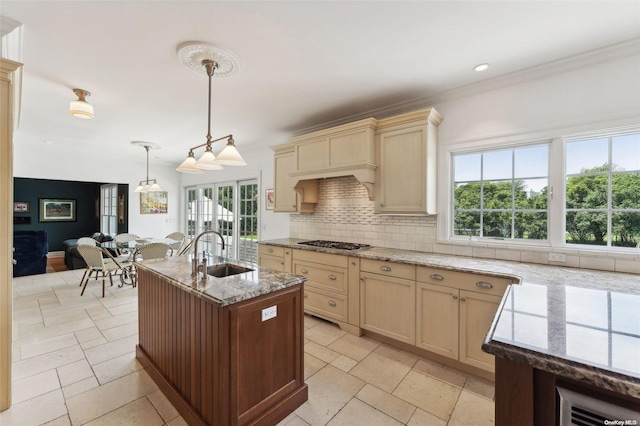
(222, 291)
(579, 323)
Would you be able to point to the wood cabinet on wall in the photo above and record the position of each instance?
(289, 196)
(406, 155)
(454, 311)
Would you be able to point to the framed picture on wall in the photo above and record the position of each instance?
(154, 202)
(269, 199)
(21, 207)
(57, 210)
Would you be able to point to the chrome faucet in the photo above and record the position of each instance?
(194, 263)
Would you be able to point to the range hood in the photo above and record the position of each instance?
(346, 150)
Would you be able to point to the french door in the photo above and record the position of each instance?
(109, 209)
(231, 208)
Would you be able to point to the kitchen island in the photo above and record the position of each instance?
(227, 350)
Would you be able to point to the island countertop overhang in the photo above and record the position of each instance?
(225, 290)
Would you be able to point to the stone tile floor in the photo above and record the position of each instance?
(74, 364)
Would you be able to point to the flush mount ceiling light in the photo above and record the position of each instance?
(147, 185)
(80, 107)
(481, 67)
(213, 62)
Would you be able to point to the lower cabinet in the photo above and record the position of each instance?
(387, 299)
(452, 320)
(274, 257)
(326, 290)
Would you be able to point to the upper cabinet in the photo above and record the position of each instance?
(394, 158)
(406, 155)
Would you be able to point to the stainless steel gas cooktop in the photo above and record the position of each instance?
(334, 244)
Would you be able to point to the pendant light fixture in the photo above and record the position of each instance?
(147, 185)
(80, 107)
(213, 62)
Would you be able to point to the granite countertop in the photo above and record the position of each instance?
(221, 291)
(579, 323)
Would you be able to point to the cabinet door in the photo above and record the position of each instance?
(476, 313)
(437, 319)
(402, 171)
(285, 195)
(387, 306)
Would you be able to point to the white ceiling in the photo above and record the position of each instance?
(302, 64)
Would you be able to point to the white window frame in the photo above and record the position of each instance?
(557, 190)
(109, 209)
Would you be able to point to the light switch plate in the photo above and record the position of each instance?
(270, 312)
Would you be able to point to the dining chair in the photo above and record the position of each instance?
(186, 249)
(99, 260)
(178, 236)
(87, 240)
(124, 238)
(155, 250)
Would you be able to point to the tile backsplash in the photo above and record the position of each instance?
(345, 213)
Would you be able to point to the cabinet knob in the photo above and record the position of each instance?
(381, 205)
(385, 268)
(286, 252)
(270, 250)
(306, 295)
(454, 296)
(436, 277)
(484, 284)
(332, 277)
(462, 299)
(304, 271)
(353, 263)
(331, 303)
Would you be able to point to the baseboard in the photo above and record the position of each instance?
(55, 254)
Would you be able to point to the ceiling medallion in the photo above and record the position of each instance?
(192, 53)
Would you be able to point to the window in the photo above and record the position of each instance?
(602, 194)
(502, 193)
(231, 209)
(109, 209)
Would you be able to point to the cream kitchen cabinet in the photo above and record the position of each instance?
(454, 311)
(326, 292)
(289, 196)
(406, 155)
(387, 299)
(275, 257)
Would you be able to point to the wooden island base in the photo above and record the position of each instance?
(223, 365)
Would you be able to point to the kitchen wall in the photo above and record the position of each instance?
(345, 213)
(591, 92)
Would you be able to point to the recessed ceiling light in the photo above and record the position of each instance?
(48, 142)
(481, 67)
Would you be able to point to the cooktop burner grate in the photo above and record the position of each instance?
(334, 244)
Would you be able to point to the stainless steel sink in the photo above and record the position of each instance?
(226, 269)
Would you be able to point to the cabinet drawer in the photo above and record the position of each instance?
(463, 280)
(324, 277)
(391, 269)
(271, 250)
(325, 304)
(321, 258)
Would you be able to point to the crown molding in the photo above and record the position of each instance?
(616, 51)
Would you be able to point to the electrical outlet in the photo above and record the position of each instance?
(557, 257)
(270, 312)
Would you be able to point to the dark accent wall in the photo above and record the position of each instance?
(86, 195)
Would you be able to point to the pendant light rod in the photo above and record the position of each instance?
(211, 67)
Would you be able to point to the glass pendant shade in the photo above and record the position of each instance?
(140, 188)
(155, 188)
(230, 156)
(207, 161)
(188, 165)
(80, 107)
